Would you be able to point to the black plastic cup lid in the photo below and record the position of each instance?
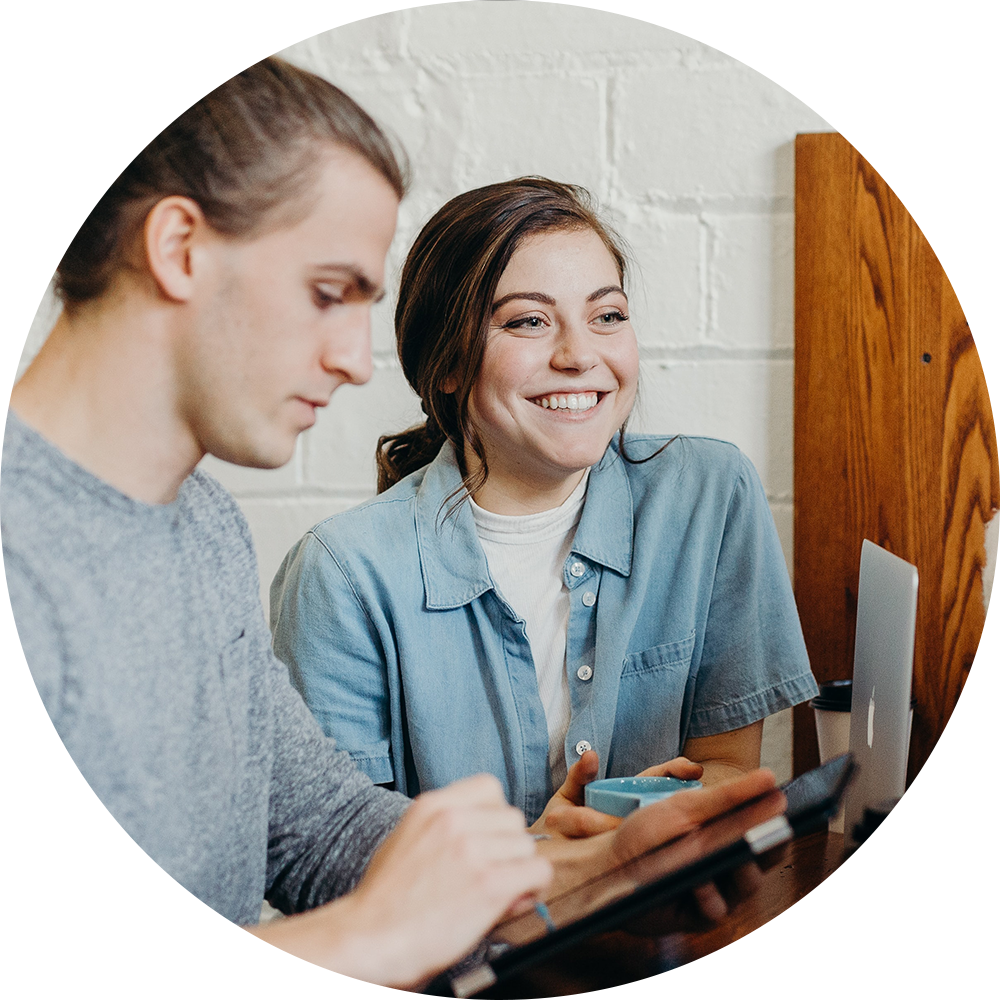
(926, 822)
(834, 696)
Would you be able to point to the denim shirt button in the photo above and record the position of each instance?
(585, 673)
(589, 599)
(577, 569)
(582, 747)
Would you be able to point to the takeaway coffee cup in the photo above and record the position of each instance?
(832, 707)
(833, 718)
(939, 850)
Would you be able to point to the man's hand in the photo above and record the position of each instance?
(578, 861)
(458, 861)
(567, 816)
(662, 821)
(905, 949)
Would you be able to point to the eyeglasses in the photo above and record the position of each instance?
(985, 325)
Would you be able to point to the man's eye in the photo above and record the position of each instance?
(327, 295)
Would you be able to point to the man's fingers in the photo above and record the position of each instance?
(478, 789)
(710, 902)
(745, 881)
(702, 804)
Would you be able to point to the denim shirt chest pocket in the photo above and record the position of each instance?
(650, 706)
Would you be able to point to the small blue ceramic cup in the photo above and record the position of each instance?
(620, 796)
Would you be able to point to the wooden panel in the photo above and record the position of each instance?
(894, 436)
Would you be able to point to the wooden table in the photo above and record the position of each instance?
(778, 944)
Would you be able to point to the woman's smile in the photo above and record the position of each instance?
(559, 373)
(571, 401)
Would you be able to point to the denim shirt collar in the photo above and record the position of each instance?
(452, 560)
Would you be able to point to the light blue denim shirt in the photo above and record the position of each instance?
(680, 608)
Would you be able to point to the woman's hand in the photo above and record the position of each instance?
(565, 814)
(905, 949)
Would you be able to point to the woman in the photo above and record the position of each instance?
(531, 583)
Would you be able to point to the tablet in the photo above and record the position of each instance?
(649, 880)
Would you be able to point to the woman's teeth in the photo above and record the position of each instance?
(567, 401)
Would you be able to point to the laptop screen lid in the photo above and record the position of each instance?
(883, 670)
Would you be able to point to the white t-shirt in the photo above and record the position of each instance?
(525, 554)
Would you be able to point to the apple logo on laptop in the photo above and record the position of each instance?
(871, 719)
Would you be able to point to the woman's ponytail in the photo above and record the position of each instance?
(397, 455)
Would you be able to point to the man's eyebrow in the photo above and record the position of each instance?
(532, 296)
(607, 289)
(365, 286)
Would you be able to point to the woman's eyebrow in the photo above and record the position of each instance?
(533, 296)
(607, 289)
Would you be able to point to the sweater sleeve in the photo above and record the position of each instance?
(326, 818)
(44, 962)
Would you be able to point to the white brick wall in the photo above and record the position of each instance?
(691, 156)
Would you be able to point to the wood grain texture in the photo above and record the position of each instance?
(894, 435)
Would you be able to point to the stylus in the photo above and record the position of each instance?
(543, 911)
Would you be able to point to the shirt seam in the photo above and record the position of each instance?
(347, 580)
(726, 711)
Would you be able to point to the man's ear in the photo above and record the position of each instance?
(171, 228)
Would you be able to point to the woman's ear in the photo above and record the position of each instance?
(449, 385)
(171, 228)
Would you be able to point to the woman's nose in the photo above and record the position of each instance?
(574, 349)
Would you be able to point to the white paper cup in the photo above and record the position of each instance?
(833, 730)
(832, 708)
(939, 850)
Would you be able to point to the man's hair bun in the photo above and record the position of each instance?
(111, 26)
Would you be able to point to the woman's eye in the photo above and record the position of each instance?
(524, 323)
(610, 317)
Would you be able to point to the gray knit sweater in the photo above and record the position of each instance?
(142, 627)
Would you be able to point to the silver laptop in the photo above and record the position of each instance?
(880, 693)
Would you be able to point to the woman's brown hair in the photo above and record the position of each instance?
(245, 153)
(445, 302)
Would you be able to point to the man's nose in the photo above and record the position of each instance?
(348, 352)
